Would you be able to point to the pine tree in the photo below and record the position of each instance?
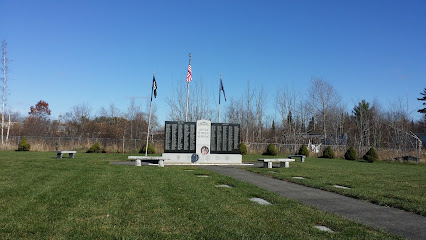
(423, 99)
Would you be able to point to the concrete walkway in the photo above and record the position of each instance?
(402, 223)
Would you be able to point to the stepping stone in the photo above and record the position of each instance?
(324, 229)
(188, 170)
(260, 201)
(224, 186)
(272, 172)
(203, 176)
(299, 178)
(342, 187)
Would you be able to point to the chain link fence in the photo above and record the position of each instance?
(125, 145)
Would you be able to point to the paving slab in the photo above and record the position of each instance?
(399, 222)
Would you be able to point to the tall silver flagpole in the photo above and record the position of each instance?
(187, 93)
(149, 119)
(220, 88)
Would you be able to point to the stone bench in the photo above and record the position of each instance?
(71, 153)
(302, 157)
(284, 162)
(140, 159)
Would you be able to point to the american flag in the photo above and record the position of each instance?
(189, 76)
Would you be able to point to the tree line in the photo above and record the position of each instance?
(317, 115)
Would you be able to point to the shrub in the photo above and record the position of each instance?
(151, 149)
(371, 155)
(271, 150)
(96, 148)
(328, 153)
(24, 145)
(303, 150)
(350, 154)
(243, 149)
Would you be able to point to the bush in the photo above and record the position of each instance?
(303, 150)
(350, 154)
(271, 150)
(371, 155)
(151, 149)
(243, 149)
(328, 153)
(24, 145)
(96, 148)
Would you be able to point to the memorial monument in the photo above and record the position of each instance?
(201, 142)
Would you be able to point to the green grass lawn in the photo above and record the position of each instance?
(400, 185)
(42, 197)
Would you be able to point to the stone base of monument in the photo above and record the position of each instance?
(193, 158)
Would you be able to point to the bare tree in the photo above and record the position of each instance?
(248, 112)
(362, 114)
(234, 111)
(260, 112)
(200, 106)
(132, 110)
(285, 101)
(324, 97)
(78, 119)
(177, 102)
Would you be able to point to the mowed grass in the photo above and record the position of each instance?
(42, 197)
(399, 185)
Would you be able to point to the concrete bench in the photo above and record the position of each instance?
(71, 153)
(140, 159)
(284, 162)
(302, 157)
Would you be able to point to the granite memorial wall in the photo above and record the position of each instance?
(180, 137)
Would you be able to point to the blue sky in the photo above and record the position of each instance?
(104, 52)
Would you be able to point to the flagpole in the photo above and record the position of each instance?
(187, 93)
(149, 119)
(219, 96)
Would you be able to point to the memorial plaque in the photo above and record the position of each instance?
(225, 138)
(203, 137)
(236, 137)
(219, 138)
(192, 137)
(188, 137)
(180, 137)
(167, 139)
(230, 138)
(174, 137)
(213, 138)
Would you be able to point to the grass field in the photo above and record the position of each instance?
(400, 185)
(42, 197)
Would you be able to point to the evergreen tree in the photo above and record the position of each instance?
(423, 99)
(371, 155)
(350, 154)
(311, 125)
(151, 149)
(303, 150)
(271, 150)
(289, 118)
(243, 148)
(328, 153)
(24, 145)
